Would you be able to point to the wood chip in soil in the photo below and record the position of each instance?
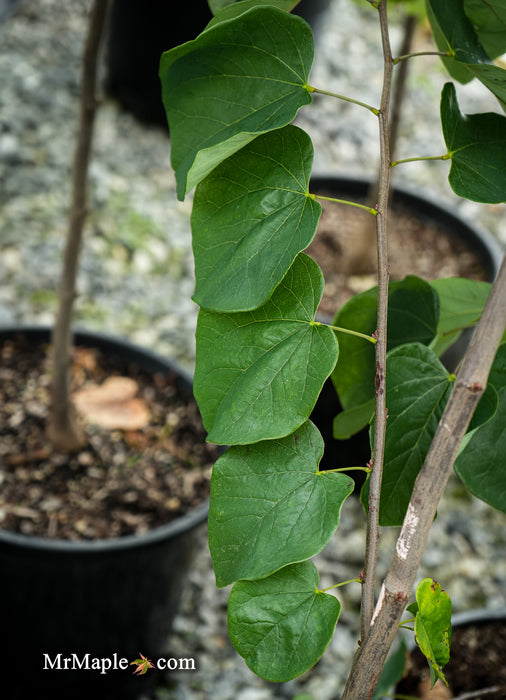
(124, 482)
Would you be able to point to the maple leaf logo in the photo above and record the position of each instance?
(142, 665)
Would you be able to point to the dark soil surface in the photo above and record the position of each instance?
(477, 662)
(345, 248)
(124, 481)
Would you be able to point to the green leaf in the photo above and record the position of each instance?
(259, 373)
(239, 260)
(281, 625)
(485, 411)
(488, 18)
(417, 389)
(433, 632)
(480, 464)
(461, 302)
(270, 506)
(413, 310)
(494, 78)
(233, 82)
(477, 146)
(453, 32)
(228, 9)
(350, 421)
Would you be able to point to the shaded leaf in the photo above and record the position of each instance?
(480, 464)
(260, 372)
(477, 146)
(413, 309)
(488, 18)
(494, 78)
(234, 81)
(239, 260)
(485, 411)
(352, 420)
(417, 389)
(433, 632)
(281, 625)
(228, 9)
(270, 506)
(453, 31)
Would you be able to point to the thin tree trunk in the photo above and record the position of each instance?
(398, 584)
(62, 429)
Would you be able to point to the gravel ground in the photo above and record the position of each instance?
(136, 280)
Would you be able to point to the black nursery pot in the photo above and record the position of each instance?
(356, 450)
(111, 599)
(140, 32)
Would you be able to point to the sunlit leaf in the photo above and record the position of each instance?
(433, 632)
(233, 82)
(240, 259)
(270, 506)
(259, 372)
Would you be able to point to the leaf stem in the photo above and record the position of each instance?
(421, 53)
(446, 156)
(348, 331)
(372, 109)
(371, 210)
(346, 469)
(343, 583)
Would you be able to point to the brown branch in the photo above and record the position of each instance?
(429, 486)
(372, 538)
(62, 430)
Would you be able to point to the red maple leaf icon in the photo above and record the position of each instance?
(142, 665)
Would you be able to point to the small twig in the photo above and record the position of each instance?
(372, 537)
(62, 430)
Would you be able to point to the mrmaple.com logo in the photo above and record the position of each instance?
(87, 662)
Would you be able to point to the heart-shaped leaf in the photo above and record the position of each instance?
(259, 373)
(417, 389)
(433, 631)
(477, 147)
(239, 260)
(270, 506)
(281, 625)
(481, 463)
(413, 309)
(234, 81)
